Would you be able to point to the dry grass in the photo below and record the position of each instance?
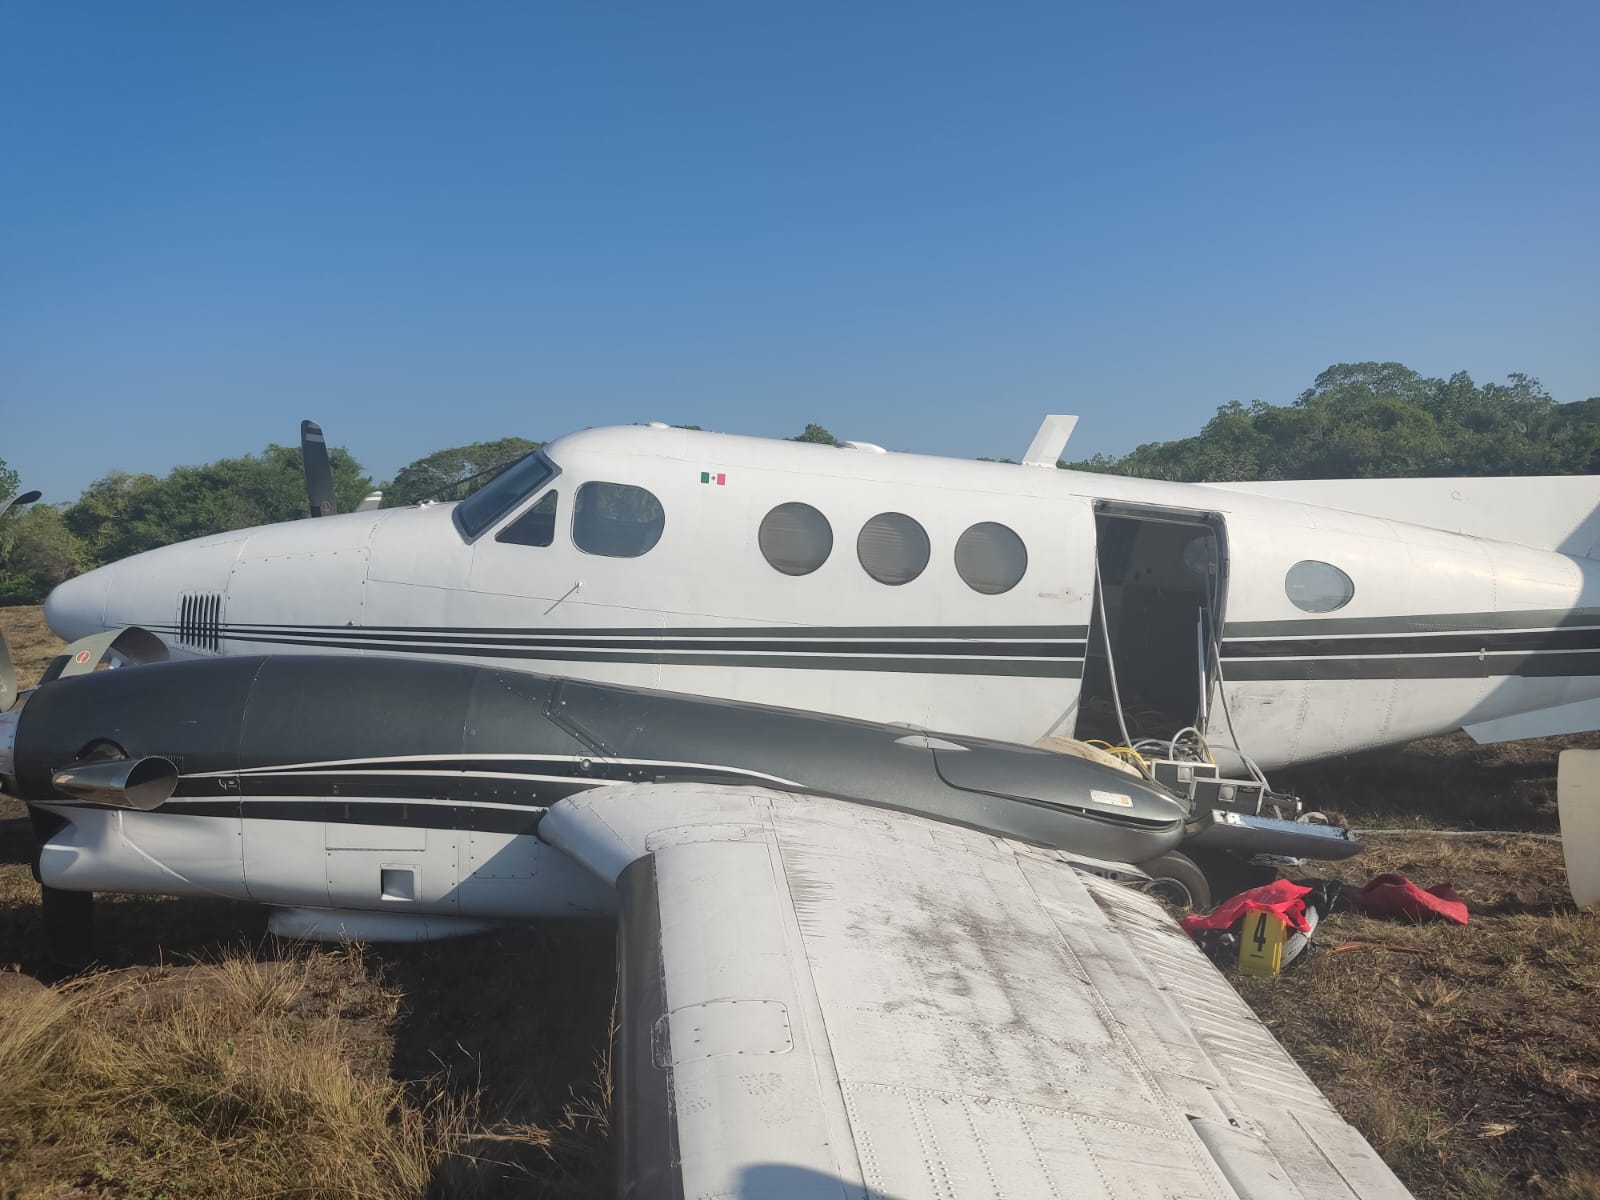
(258, 1075)
(445, 1070)
(129, 1084)
(1473, 1066)
(202, 1063)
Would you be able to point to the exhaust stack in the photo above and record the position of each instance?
(141, 783)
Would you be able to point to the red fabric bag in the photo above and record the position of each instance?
(1397, 896)
(1280, 896)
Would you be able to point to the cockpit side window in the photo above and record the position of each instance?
(537, 526)
(503, 493)
(616, 520)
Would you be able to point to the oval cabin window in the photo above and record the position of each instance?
(795, 538)
(893, 548)
(617, 520)
(990, 558)
(1318, 587)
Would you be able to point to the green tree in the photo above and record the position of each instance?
(124, 514)
(816, 433)
(101, 517)
(442, 473)
(10, 483)
(42, 553)
(1380, 419)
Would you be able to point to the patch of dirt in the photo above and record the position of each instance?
(1469, 1056)
(500, 1042)
(1448, 782)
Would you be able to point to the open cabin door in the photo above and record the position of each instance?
(1163, 579)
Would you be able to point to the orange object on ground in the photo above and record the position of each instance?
(1397, 896)
(1280, 896)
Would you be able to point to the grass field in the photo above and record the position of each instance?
(208, 1060)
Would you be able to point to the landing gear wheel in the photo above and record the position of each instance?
(1175, 878)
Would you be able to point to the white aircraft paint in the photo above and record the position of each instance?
(1421, 647)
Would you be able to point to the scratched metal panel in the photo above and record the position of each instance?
(743, 1057)
(928, 1011)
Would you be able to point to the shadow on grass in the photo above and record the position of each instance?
(520, 1019)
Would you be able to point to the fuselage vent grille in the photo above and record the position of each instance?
(200, 621)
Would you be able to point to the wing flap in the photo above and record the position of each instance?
(844, 1001)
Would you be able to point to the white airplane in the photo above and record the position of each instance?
(1289, 621)
(824, 992)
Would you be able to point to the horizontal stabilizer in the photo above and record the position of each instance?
(1582, 716)
(1557, 512)
(1578, 803)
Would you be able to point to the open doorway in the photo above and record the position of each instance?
(1162, 583)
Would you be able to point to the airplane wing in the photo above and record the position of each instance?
(822, 999)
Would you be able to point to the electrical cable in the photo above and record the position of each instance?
(1522, 833)
(1227, 715)
(1111, 664)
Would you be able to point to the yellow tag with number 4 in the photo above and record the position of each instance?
(1261, 943)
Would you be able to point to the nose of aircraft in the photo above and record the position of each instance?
(77, 607)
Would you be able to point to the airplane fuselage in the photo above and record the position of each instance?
(940, 593)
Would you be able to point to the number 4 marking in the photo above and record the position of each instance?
(1260, 938)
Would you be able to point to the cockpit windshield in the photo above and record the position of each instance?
(503, 493)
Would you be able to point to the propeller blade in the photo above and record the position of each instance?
(25, 498)
(319, 472)
(8, 676)
(132, 644)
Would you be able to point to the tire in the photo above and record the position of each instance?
(1175, 878)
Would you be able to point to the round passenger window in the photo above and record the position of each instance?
(795, 538)
(893, 548)
(990, 558)
(1318, 587)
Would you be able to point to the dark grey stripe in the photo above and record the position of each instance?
(371, 812)
(1358, 645)
(1057, 668)
(1544, 618)
(1449, 666)
(646, 1114)
(906, 647)
(759, 632)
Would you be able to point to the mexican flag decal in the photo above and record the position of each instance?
(713, 477)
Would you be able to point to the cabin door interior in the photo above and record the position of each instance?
(1163, 576)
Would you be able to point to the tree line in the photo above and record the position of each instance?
(1356, 420)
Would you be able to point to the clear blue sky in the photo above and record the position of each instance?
(921, 224)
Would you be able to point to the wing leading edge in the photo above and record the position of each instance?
(820, 999)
